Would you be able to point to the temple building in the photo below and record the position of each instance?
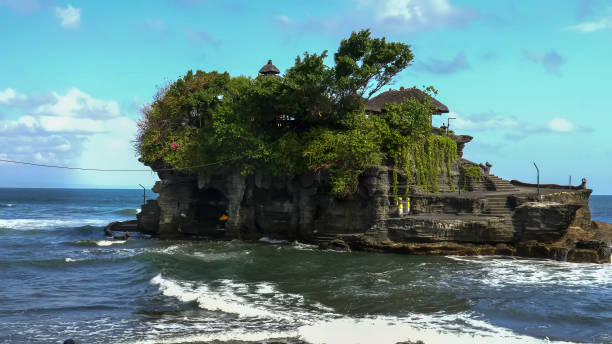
(378, 103)
(269, 69)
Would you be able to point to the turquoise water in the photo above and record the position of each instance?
(61, 278)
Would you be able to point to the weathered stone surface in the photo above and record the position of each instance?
(120, 227)
(259, 205)
(148, 218)
(472, 229)
(553, 225)
(579, 198)
(334, 245)
(543, 221)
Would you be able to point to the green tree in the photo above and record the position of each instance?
(364, 65)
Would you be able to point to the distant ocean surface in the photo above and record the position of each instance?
(61, 278)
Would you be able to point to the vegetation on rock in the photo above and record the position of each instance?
(312, 119)
(471, 173)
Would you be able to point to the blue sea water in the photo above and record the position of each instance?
(601, 208)
(61, 278)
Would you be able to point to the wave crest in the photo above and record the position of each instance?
(28, 224)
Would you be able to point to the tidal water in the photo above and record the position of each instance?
(61, 278)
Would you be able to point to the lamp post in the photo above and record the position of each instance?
(538, 170)
(448, 124)
(144, 194)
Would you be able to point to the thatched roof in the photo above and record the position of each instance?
(269, 68)
(377, 103)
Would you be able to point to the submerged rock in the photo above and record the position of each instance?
(335, 245)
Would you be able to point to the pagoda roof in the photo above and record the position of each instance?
(269, 68)
(377, 104)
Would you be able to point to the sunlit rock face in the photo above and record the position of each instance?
(555, 224)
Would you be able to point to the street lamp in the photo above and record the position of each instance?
(144, 194)
(448, 124)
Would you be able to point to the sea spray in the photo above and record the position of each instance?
(225, 301)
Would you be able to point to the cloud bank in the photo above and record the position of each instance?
(59, 128)
(404, 16)
(70, 17)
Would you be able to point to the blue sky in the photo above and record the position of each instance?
(530, 80)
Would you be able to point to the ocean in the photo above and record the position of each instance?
(61, 278)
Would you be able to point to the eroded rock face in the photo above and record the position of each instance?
(259, 205)
(543, 221)
(434, 229)
(556, 226)
(148, 218)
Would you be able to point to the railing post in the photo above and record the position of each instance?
(538, 170)
(448, 124)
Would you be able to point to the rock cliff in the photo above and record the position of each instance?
(490, 216)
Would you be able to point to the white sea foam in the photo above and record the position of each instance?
(304, 247)
(272, 241)
(265, 302)
(457, 329)
(509, 271)
(110, 242)
(68, 260)
(224, 299)
(27, 224)
(222, 337)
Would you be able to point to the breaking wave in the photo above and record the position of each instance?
(99, 242)
(27, 224)
(501, 271)
(225, 298)
(127, 211)
(323, 325)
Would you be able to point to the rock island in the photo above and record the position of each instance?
(331, 155)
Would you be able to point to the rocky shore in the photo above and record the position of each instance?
(494, 218)
(485, 216)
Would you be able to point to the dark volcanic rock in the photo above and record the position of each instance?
(259, 205)
(335, 245)
(148, 218)
(555, 224)
(543, 221)
(435, 228)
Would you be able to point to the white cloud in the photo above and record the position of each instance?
(509, 126)
(70, 17)
(71, 129)
(592, 26)
(66, 124)
(413, 10)
(558, 124)
(77, 103)
(9, 95)
(486, 121)
(23, 125)
(383, 16)
(415, 15)
(57, 129)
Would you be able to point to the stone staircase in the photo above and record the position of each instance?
(494, 183)
(498, 206)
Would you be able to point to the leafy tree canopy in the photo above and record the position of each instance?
(312, 120)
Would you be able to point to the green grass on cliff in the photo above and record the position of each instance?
(311, 120)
